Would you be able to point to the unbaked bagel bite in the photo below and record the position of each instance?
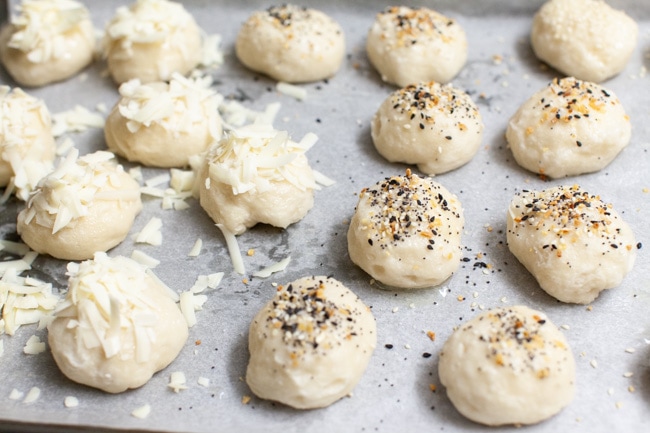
(48, 41)
(310, 344)
(509, 365)
(27, 146)
(87, 204)
(257, 174)
(438, 127)
(587, 39)
(568, 128)
(408, 46)
(117, 326)
(150, 40)
(164, 124)
(573, 243)
(406, 232)
(291, 43)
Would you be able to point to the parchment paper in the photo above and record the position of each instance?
(609, 339)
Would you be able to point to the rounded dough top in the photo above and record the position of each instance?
(291, 43)
(150, 40)
(408, 46)
(573, 243)
(27, 146)
(256, 174)
(568, 128)
(310, 344)
(406, 232)
(586, 39)
(85, 205)
(117, 325)
(509, 365)
(164, 124)
(437, 127)
(49, 41)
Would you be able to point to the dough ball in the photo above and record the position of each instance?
(437, 127)
(27, 146)
(569, 128)
(163, 124)
(291, 43)
(409, 46)
(586, 39)
(509, 365)
(310, 344)
(573, 243)
(117, 325)
(150, 40)
(49, 41)
(86, 205)
(406, 232)
(256, 174)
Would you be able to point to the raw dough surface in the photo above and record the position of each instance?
(163, 124)
(573, 243)
(406, 232)
(117, 325)
(48, 41)
(86, 205)
(568, 128)
(509, 365)
(310, 344)
(150, 40)
(291, 43)
(256, 174)
(408, 46)
(586, 39)
(437, 127)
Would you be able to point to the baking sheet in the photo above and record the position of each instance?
(609, 339)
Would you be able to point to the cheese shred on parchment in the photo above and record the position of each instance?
(23, 300)
(233, 249)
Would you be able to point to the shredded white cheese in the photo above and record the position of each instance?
(177, 381)
(182, 180)
(235, 114)
(212, 55)
(204, 282)
(297, 92)
(41, 27)
(67, 193)
(32, 395)
(146, 22)
(158, 180)
(144, 259)
(251, 158)
(276, 267)
(23, 300)
(203, 381)
(151, 233)
(78, 119)
(321, 179)
(233, 249)
(187, 308)
(70, 401)
(24, 125)
(34, 346)
(196, 249)
(152, 103)
(64, 146)
(15, 394)
(141, 412)
(106, 299)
